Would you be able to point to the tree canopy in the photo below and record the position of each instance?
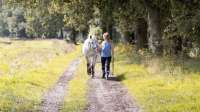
(156, 22)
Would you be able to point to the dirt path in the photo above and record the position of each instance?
(109, 96)
(53, 99)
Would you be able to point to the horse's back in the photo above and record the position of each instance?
(89, 48)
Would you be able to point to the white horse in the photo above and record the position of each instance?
(90, 51)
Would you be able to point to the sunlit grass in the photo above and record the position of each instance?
(29, 68)
(155, 88)
(76, 98)
(23, 55)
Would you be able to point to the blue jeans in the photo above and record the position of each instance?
(105, 62)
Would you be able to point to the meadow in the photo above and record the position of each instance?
(76, 98)
(28, 68)
(159, 84)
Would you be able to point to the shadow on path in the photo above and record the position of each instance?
(109, 96)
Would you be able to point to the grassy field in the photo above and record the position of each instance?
(76, 99)
(28, 69)
(160, 85)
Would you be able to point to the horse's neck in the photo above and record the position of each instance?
(92, 39)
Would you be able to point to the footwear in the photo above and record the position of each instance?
(103, 76)
(92, 71)
(106, 77)
(92, 75)
(89, 73)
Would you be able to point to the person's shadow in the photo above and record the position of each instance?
(120, 77)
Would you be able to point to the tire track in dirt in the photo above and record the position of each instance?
(53, 99)
(109, 96)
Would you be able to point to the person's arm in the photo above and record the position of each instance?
(97, 46)
(101, 46)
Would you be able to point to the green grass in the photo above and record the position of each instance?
(28, 69)
(160, 85)
(76, 98)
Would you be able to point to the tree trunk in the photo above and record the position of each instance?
(108, 27)
(125, 37)
(141, 34)
(154, 28)
(1, 4)
(61, 33)
(177, 45)
(109, 30)
(74, 36)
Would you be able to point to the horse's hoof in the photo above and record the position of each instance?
(107, 76)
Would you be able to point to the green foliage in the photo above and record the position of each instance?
(77, 14)
(50, 18)
(46, 18)
(3, 27)
(95, 24)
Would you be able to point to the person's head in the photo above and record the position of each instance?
(106, 36)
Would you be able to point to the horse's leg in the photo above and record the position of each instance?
(93, 64)
(88, 65)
